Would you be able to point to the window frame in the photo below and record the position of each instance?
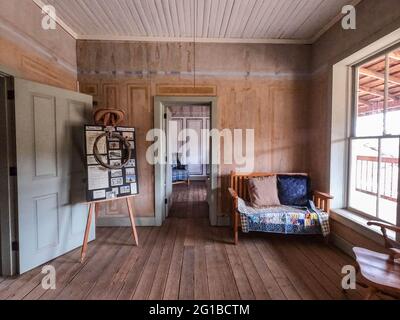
(354, 137)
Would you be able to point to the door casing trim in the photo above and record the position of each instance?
(160, 105)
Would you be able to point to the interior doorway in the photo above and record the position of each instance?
(188, 149)
(168, 109)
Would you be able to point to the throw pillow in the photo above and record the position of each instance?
(293, 190)
(263, 192)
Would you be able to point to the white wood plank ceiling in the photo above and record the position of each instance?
(259, 21)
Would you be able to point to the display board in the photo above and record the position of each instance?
(104, 183)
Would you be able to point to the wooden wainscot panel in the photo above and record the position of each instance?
(186, 90)
(90, 89)
(354, 238)
(288, 128)
(112, 209)
(140, 116)
(111, 96)
(138, 94)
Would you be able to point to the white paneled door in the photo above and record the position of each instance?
(50, 169)
(194, 156)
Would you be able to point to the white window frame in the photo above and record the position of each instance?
(379, 138)
(341, 103)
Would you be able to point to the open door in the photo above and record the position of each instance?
(50, 171)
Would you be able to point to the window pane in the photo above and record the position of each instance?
(364, 176)
(393, 107)
(389, 175)
(371, 97)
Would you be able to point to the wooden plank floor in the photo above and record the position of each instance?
(188, 259)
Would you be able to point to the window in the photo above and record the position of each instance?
(375, 140)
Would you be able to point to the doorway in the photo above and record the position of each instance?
(188, 149)
(167, 109)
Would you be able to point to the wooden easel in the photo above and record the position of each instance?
(92, 209)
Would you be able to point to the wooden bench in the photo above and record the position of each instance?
(238, 188)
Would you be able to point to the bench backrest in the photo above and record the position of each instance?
(239, 181)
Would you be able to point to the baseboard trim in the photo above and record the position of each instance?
(342, 244)
(222, 221)
(126, 222)
(198, 178)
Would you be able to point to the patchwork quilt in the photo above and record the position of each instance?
(283, 219)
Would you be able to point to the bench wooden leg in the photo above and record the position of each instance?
(236, 228)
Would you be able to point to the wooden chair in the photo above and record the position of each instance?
(380, 272)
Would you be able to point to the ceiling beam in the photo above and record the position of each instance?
(376, 93)
(395, 56)
(378, 75)
(363, 101)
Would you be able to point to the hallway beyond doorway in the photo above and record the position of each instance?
(190, 201)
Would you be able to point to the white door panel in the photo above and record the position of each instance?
(51, 173)
(206, 148)
(194, 155)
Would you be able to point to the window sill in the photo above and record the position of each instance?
(359, 224)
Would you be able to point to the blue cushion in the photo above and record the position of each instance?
(293, 190)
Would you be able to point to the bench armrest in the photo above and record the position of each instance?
(235, 197)
(323, 195)
(233, 193)
(322, 200)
